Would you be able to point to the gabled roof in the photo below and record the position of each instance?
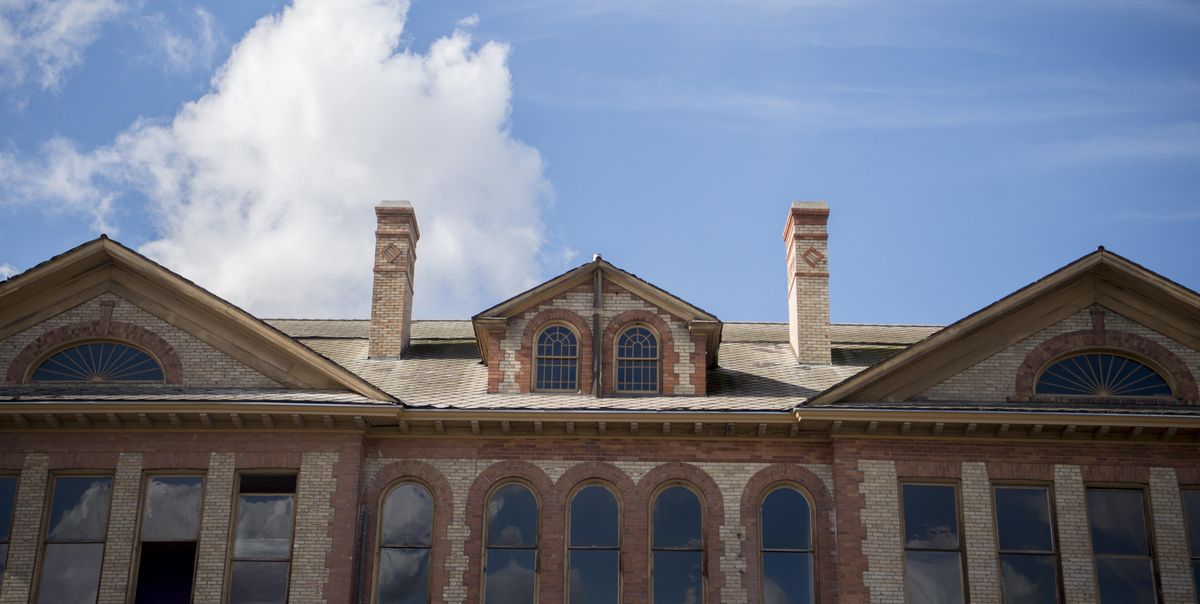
(1100, 277)
(697, 319)
(103, 265)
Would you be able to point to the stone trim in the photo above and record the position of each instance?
(824, 542)
(667, 357)
(714, 516)
(21, 368)
(525, 356)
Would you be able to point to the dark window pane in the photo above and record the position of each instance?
(165, 573)
(594, 577)
(1196, 577)
(1023, 519)
(594, 518)
(255, 582)
(785, 520)
(787, 578)
(70, 573)
(8, 497)
(1029, 579)
(677, 519)
(80, 510)
(283, 484)
(678, 577)
(403, 576)
(510, 576)
(1125, 581)
(933, 577)
(1191, 509)
(264, 527)
(1098, 374)
(408, 516)
(172, 510)
(3, 559)
(930, 517)
(512, 517)
(99, 362)
(1118, 522)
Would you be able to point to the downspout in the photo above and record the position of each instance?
(597, 306)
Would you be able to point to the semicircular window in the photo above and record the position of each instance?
(99, 362)
(1101, 374)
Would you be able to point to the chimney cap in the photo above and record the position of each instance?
(400, 203)
(809, 205)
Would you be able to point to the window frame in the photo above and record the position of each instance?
(703, 549)
(379, 547)
(958, 512)
(1147, 519)
(41, 360)
(1056, 547)
(8, 542)
(143, 499)
(537, 543)
(617, 358)
(533, 375)
(568, 547)
(1153, 365)
(47, 516)
(231, 539)
(812, 536)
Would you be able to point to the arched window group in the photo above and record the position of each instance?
(637, 360)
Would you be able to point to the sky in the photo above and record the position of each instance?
(965, 148)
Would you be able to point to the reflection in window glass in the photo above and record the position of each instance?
(1121, 546)
(406, 536)
(1191, 510)
(75, 540)
(677, 547)
(8, 498)
(510, 570)
(170, 529)
(787, 553)
(594, 557)
(262, 547)
(637, 361)
(1028, 561)
(932, 548)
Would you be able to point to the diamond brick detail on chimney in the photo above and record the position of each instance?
(807, 237)
(396, 238)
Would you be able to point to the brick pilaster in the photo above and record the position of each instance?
(314, 513)
(122, 524)
(214, 529)
(26, 530)
(1075, 538)
(979, 530)
(1170, 537)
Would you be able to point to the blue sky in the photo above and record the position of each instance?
(965, 148)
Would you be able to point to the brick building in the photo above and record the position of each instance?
(595, 439)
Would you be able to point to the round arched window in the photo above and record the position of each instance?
(99, 362)
(1101, 374)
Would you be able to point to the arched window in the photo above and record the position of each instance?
(1101, 374)
(637, 361)
(785, 535)
(405, 541)
(594, 547)
(510, 567)
(99, 362)
(677, 547)
(556, 359)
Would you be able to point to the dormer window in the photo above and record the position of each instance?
(556, 359)
(1101, 374)
(99, 362)
(637, 361)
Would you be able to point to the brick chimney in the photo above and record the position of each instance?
(807, 239)
(396, 238)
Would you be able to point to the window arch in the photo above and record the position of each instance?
(786, 551)
(594, 546)
(637, 369)
(556, 359)
(99, 362)
(405, 544)
(1101, 374)
(677, 546)
(510, 564)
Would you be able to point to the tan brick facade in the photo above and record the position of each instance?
(219, 493)
(26, 530)
(1170, 537)
(979, 530)
(122, 526)
(314, 518)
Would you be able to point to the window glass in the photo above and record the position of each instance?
(75, 540)
(787, 557)
(262, 544)
(932, 557)
(557, 359)
(405, 541)
(594, 557)
(99, 362)
(170, 528)
(637, 361)
(1028, 560)
(510, 568)
(1099, 374)
(1121, 546)
(677, 547)
(8, 498)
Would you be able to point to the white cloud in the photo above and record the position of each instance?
(182, 51)
(263, 188)
(45, 39)
(7, 270)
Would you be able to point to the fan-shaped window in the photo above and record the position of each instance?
(557, 359)
(510, 567)
(677, 547)
(1101, 374)
(99, 362)
(637, 361)
(787, 552)
(405, 539)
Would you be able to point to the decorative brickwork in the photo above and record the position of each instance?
(1074, 535)
(1170, 538)
(26, 530)
(122, 525)
(24, 363)
(214, 529)
(882, 547)
(396, 238)
(314, 516)
(807, 239)
(533, 328)
(979, 530)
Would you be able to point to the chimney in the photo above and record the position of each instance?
(396, 238)
(807, 238)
